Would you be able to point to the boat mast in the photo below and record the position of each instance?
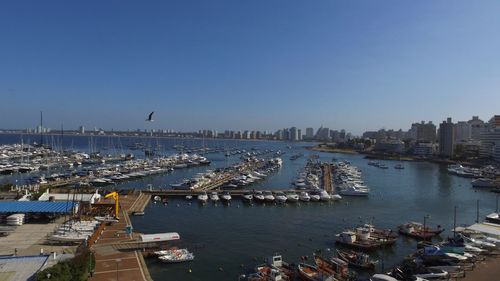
(41, 128)
(455, 223)
(62, 138)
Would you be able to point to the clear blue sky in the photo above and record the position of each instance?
(259, 64)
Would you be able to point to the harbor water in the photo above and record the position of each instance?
(228, 240)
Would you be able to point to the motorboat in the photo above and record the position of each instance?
(304, 196)
(189, 197)
(352, 190)
(247, 196)
(203, 197)
(226, 196)
(214, 196)
(291, 196)
(315, 196)
(268, 196)
(357, 259)
(324, 196)
(280, 197)
(399, 166)
(259, 196)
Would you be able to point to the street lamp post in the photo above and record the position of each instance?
(117, 262)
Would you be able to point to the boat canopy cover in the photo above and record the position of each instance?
(37, 207)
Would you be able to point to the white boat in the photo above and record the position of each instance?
(351, 190)
(291, 196)
(325, 196)
(189, 197)
(247, 196)
(226, 196)
(157, 198)
(315, 196)
(259, 196)
(268, 196)
(280, 197)
(203, 198)
(304, 196)
(336, 197)
(214, 196)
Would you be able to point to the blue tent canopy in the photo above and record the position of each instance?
(37, 207)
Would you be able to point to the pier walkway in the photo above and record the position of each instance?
(115, 265)
(327, 179)
(140, 203)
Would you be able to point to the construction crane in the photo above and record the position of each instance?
(114, 194)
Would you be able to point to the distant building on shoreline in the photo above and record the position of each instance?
(447, 138)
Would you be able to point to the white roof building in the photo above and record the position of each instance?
(84, 197)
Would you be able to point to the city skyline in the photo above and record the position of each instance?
(224, 65)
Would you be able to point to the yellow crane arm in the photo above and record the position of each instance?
(114, 194)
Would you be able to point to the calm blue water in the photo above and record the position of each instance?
(228, 240)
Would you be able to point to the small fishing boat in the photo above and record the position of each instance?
(311, 273)
(333, 266)
(357, 259)
(417, 230)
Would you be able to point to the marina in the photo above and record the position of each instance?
(294, 192)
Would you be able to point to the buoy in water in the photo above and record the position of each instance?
(189, 270)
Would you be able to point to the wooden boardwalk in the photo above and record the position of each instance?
(114, 265)
(140, 203)
(327, 179)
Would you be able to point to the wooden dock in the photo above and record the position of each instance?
(112, 264)
(327, 179)
(140, 203)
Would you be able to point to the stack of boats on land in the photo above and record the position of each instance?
(174, 255)
(449, 259)
(73, 231)
(348, 180)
